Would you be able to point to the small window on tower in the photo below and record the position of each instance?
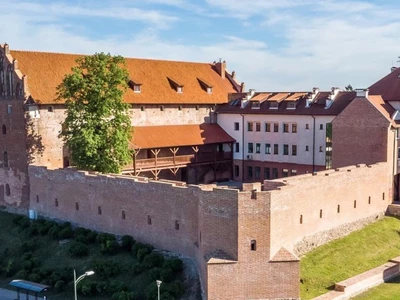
(253, 245)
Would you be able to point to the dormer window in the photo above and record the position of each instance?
(209, 90)
(273, 105)
(205, 85)
(175, 85)
(291, 105)
(255, 104)
(179, 89)
(135, 86)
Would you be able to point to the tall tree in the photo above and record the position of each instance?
(97, 127)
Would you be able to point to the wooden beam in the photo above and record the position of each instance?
(155, 173)
(195, 149)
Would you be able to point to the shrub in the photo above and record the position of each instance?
(88, 288)
(154, 274)
(92, 237)
(102, 287)
(30, 264)
(10, 268)
(175, 264)
(34, 277)
(151, 291)
(153, 260)
(22, 221)
(78, 249)
(127, 242)
(142, 253)
(65, 233)
(176, 289)
(59, 285)
(27, 256)
(136, 268)
(29, 246)
(125, 295)
(106, 268)
(137, 246)
(54, 231)
(22, 274)
(102, 238)
(116, 286)
(110, 247)
(166, 275)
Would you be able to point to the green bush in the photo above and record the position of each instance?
(22, 274)
(59, 285)
(88, 288)
(30, 264)
(102, 238)
(27, 256)
(137, 246)
(10, 267)
(78, 249)
(151, 291)
(141, 253)
(102, 287)
(136, 268)
(166, 275)
(125, 295)
(54, 231)
(116, 286)
(106, 268)
(127, 242)
(81, 239)
(154, 274)
(92, 237)
(153, 260)
(22, 221)
(110, 247)
(175, 264)
(29, 246)
(34, 277)
(65, 233)
(176, 288)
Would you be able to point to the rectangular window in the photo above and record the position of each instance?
(294, 150)
(275, 173)
(307, 149)
(253, 245)
(258, 147)
(307, 126)
(293, 173)
(267, 127)
(123, 215)
(266, 173)
(321, 126)
(236, 126)
(237, 147)
(276, 149)
(176, 225)
(294, 128)
(76, 206)
(249, 126)
(99, 210)
(9, 109)
(285, 149)
(257, 172)
(149, 220)
(236, 171)
(285, 127)
(285, 172)
(250, 148)
(276, 127)
(258, 126)
(321, 149)
(249, 172)
(267, 148)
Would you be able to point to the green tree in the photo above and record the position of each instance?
(97, 126)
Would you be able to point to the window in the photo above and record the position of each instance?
(176, 225)
(197, 107)
(18, 90)
(37, 199)
(320, 213)
(338, 209)
(321, 126)
(250, 148)
(267, 127)
(179, 107)
(258, 126)
(136, 88)
(237, 147)
(4, 129)
(56, 202)
(293, 173)
(249, 126)
(321, 149)
(294, 150)
(76, 206)
(253, 245)
(301, 219)
(276, 149)
(266, 173)
(257, 172)
(294, 128)
(161, 107)
(209, 90)
(148, 220)
(285, 173)
(291, 105)
(276, 127)
(307, 126)
(249, 172)
(355, 204)
(258, 146)
(307, 149)
(275, 173)
(273, 105)
(285, 149)
(179, 89)
(50, 109)
(99, 210)
(285, 127)
(236, 126)
(5, 159)
(236, 171)
(142, 108)
(383, 196)
(123, 215)
(8, 192)
(9, 109)
(267, 148)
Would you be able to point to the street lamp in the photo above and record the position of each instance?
(158, 287)
(76, 281)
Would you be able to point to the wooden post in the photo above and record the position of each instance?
(196, 150)
(155, 153)
(174, 151)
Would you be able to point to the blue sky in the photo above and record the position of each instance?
(279, 45)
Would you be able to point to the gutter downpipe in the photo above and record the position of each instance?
(313, 148)
(242, 147)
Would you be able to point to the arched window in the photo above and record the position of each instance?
(5, 159)
(2, 90)
(18, 90)
(9, 80)
(8, 192)
(4, 129)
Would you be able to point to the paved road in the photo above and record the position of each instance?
(12, 295)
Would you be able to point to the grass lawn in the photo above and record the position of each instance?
(346, 257)
(50, 254)
(385, 291)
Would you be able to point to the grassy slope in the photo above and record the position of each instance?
(53, 256)
(358, 252)
(385, 291)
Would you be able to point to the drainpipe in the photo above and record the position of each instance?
(313, 148)
(242, 147)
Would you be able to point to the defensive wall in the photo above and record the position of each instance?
(243, 241)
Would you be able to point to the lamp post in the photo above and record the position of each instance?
(158, 288)
(76, 281)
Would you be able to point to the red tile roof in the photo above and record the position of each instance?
(45, 72)
(147, 137)
(388, 87)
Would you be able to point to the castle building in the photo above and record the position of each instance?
(281, 134)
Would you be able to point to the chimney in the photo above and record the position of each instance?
(221, 68)
(310, 97)
(15, 63)
(392, 69)
(242, 87)
(6, 49)
(362, 93)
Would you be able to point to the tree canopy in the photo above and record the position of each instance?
(97, 127)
